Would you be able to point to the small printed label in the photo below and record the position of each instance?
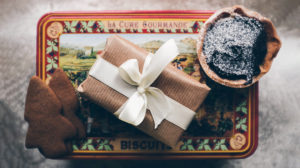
(237, 141)
(142, 145)
(54, 30)
(123, 24)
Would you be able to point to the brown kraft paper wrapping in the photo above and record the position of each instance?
(173, 82)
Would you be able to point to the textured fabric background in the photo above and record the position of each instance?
(279, 115)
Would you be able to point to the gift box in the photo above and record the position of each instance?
(225, 126)
(172, 82)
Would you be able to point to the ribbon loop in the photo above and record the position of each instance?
(129, 71)
(134, 110)
(155, 63)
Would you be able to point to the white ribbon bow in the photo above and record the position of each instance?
(133, 111)
(127, 80)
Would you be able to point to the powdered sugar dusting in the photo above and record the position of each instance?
(235, 47)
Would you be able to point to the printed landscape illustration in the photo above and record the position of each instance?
(79, 52)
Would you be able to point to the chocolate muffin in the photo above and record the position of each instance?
(237, 46)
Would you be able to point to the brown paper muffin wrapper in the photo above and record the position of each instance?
(273, 45)
(173, 82)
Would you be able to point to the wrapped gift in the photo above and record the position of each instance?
(143, 89)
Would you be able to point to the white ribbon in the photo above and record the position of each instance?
(137, 86)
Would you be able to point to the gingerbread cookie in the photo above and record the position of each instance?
(48, 130)
(65, 92)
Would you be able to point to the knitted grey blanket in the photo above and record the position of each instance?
(279, 101)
